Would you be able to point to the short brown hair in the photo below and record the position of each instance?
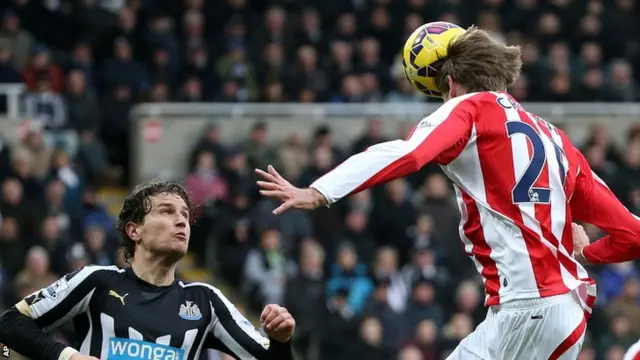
(138, 204)
(477, 62)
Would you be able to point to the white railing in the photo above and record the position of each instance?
(365, 109)
(13, 92)
(164, 133)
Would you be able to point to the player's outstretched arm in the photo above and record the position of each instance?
(233, 334)
(448, 128)
(633, 352)
(24, 327)
(594, 203)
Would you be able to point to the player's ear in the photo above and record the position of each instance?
(452, 87)
(133, 231)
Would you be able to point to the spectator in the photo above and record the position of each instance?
(22, 169)
(293, 157)
(17, 40)
(620, 335)
(424, 266)
(45, 105)
(12, 247)
(235, 66)
(41, 68)
(356, 231)
(82, 60)
(305, 295)
(53, 240)
(274, 29)
(410, 353)
(422, 305)
(257, 149)
(95, 213)
(392, 217)
(210, 142)
(34, 143)
(192, 90)
(97, 250)
(322, 161)
(77, 257)
(349, 276)
(468, 301)
(115, 124)
(273, 66)
(622, 86)
(456, 329)
(426, 336)
(205, 183)
(124, 69)
(626, 304)
(8, 72)
(93, 160)
(379, 307)
(308, 74)
(266, 270)
(614, 276)
(14, 206)
(310, 31)
(36, 274)
(386, 269)
(370, 344)
(82, 106)
(199, 64)
(339, 327)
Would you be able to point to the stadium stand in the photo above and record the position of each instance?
(381, 275)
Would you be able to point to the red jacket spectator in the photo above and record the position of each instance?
(41, 65)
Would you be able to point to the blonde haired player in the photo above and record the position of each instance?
(519, 183)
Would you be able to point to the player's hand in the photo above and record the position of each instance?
(274, 185)
(278, 323)
(580, 241)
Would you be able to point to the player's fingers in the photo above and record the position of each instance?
(272, 315)
(266, 185)
(267, 310)
(277, 175)
(265, 175)
(288, 323)
(264, 315)
(284, 207)
(274, 324)
(274, 193)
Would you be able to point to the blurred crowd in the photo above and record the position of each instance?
(380, 275)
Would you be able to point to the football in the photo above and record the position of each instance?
(424, 53)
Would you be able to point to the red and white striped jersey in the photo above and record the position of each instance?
(519, 183)
(633, 353)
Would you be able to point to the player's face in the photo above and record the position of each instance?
(165, 229)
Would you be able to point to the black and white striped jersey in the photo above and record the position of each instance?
(117, 315)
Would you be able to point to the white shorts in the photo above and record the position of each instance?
(549, 328)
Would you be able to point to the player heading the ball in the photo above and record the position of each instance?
(519, 183)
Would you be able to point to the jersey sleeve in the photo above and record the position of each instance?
(64, 299)
(594, 203)
(633, 353)
(234, 334)
(24, 327)
(448, 127)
